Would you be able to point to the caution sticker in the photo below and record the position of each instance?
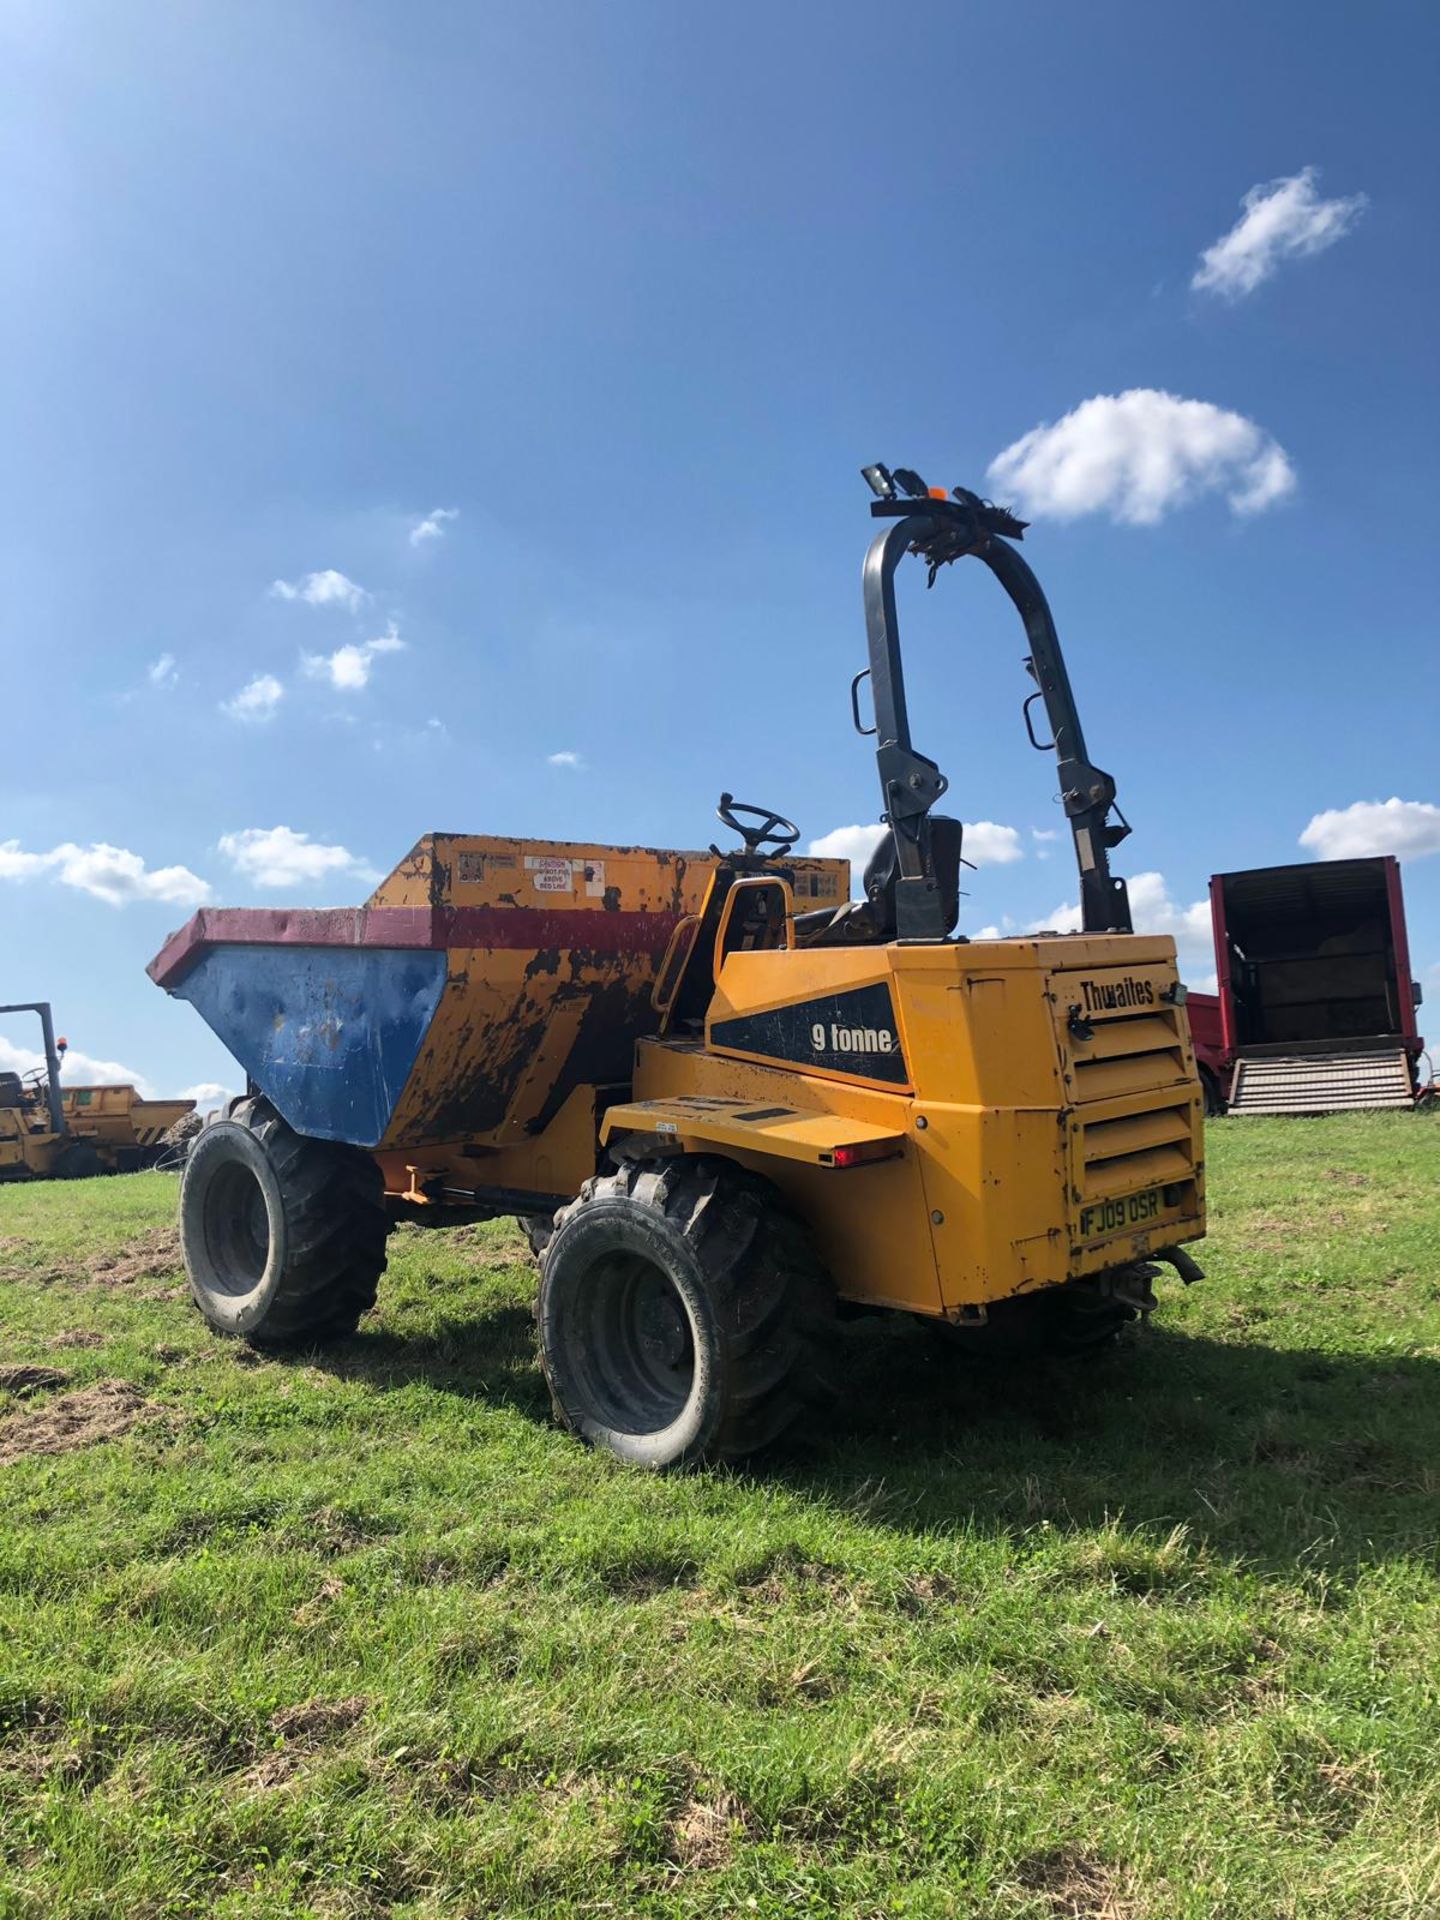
(550, 874)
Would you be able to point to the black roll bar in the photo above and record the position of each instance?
(940, 531)
(53, 1097)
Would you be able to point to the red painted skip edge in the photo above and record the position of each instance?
(595, 929)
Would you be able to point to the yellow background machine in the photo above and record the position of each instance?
(50, 1132)
(725, 1099)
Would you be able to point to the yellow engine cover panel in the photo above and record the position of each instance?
(1045, 1092)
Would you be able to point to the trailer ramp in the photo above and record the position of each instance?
(1330, 1082)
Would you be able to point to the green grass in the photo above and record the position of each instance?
(1158, 1638)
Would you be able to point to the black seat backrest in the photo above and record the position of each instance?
(882, 874)
(12, 1094)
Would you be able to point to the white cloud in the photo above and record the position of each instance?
(1062, 919)
(1044, 833)
(257, 700)
(432, 526)
(1407, 828)
(112, 874)
(1204, 983)
(348, 668)
(1137, 456)
(855, 844)
(81, 1069)
(574, 761)
(163, 672)
(986, 844)
(77, 1069)
(208, 1095)
(1283, 219)
(280, 857)
(1152, 911)
(16, 864)
(324, 589)
(116, 875)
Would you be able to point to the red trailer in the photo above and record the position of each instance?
(1316, 1007)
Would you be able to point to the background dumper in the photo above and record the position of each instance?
(50, 1132)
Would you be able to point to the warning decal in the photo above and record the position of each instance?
(550, 874)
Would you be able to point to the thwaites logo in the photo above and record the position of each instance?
(853, 1032)
(1117, 996)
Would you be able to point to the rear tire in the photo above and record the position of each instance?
(80, 1162)
(284, 1236)
(1212, 1099)
(683, 1315)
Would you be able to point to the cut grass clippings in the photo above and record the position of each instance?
(360, 1633)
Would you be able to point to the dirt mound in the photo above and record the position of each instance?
(303, 1729)
(154, 1255)
(1078, 1886)
(30, 1379)
(314, 1720)
(703, 1836)
(78, 1337)
(80, 1419)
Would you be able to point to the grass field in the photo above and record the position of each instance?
(361, 1633)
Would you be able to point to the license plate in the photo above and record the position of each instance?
(1116, 1216)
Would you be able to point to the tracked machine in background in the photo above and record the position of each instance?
(729, 1102)
(50, 1132)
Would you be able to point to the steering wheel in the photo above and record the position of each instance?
(774, 832)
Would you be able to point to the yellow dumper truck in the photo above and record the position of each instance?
(729, 1102)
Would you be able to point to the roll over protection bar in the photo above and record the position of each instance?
(54, 1099)
(939, 531)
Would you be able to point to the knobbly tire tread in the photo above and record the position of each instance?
(773, 1301)
(334, 1203)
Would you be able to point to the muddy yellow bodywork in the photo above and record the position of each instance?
(470, 1021)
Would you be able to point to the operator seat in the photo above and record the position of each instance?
(871, 921)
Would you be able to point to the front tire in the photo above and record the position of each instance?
(683, 1315)
(283, 1236)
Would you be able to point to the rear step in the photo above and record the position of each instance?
(1322, 1083)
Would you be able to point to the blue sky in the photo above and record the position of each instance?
(632, 292)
